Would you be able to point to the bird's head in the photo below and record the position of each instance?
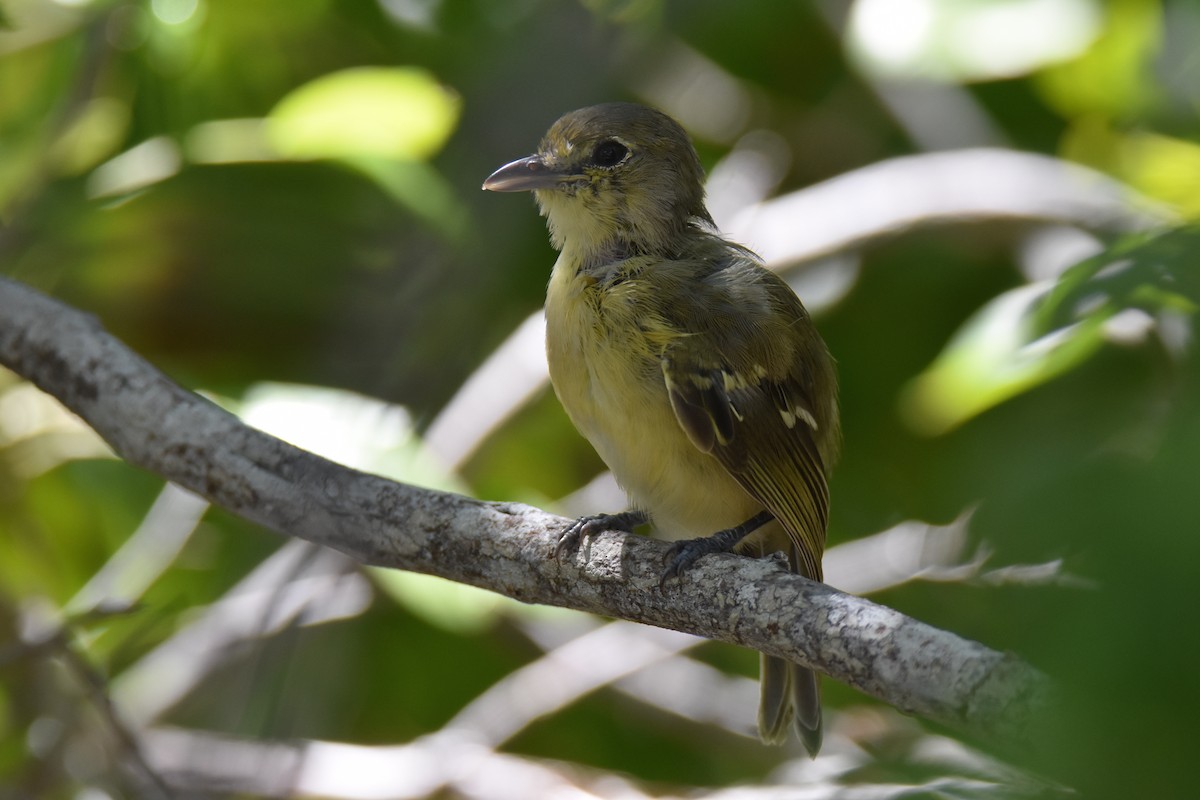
(613, 180)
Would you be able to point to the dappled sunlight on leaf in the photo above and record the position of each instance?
(383, 122)
(93, 136)
(140, 166)
(1153, 273)
(979, 40)
(398, 112)
(38, 434)
(1032, 334)
(455, 607)
(994, 357)
(345, 427)
(1112, 77)
(229, 141)
(1164, 168)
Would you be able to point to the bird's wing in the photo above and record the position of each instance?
(760, 422)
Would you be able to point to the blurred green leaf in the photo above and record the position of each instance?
(1164, 168)
(1113, 77)
(1032, 334)
(454, 607)
(1154, 273)
(92, 136)
(994, 357)
(392, 112)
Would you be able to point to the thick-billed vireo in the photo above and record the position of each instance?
(693, 370)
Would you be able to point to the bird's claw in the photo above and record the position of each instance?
(682, 555)
(579, 531)
(584, 528)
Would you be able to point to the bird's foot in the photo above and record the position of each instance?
(585, 528)
(683, 554)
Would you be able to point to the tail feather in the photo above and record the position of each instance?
(806, 699)
(789, 693)
(775, 700)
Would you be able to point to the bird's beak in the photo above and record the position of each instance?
(523, 175)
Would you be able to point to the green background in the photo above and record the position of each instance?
(277, 203)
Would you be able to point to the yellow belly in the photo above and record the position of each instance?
(612, 388)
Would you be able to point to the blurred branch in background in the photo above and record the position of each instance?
(458, 764)
(298, 585)
(864, 206)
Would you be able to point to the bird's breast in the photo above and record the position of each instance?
(609, 379)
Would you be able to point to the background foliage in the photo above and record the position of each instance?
(277, 203)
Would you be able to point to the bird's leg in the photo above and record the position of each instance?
(585, 528)
(684, 553)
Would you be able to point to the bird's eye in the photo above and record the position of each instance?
(609, 153)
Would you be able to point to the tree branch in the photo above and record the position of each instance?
(504, 547)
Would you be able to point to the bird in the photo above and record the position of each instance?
(694, 371)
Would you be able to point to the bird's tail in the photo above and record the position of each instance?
(789, 692)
